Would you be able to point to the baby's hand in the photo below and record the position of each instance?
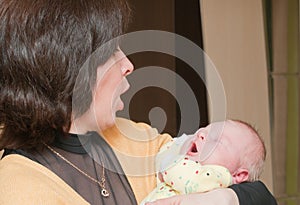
(160, 177)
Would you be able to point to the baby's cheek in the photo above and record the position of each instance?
(213, 158)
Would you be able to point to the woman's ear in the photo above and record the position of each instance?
(239, 176)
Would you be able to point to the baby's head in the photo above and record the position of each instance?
(233, 144)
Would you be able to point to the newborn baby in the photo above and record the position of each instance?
(216, 156)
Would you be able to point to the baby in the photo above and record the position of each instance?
(221, 154)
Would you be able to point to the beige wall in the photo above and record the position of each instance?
(234, 40)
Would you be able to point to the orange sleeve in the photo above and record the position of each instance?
(136, 145)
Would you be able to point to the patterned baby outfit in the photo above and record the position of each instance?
(185, 176)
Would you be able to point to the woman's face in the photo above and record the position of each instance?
(111, 83)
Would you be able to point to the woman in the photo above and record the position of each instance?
(55, 99)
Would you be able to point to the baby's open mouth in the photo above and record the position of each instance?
(193, 149)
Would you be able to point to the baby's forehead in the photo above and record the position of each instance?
(230, 125)
(219, 127)
(237, 132)
(216, 125)
(226, 129)
(213, 131)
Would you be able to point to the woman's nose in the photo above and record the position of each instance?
(127, 67)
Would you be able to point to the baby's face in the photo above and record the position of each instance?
(218, 143)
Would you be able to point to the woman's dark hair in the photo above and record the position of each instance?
(44, 43)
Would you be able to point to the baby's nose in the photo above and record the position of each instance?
(200, 136)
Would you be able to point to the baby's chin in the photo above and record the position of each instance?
(193, 157)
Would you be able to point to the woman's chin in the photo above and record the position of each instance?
(119, 106)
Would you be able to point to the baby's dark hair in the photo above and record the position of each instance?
(43, 46)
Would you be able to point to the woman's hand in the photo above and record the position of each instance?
(218, 196)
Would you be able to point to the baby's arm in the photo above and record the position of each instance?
(215, 197)
(187, 176)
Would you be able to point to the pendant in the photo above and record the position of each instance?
(104, 192)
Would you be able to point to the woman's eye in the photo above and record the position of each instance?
(117, 49)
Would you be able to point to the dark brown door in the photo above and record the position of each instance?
(158, 104)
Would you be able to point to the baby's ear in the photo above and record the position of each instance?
(241, 175)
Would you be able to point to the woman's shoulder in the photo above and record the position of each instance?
(134, 142)
(126, 129)
(24, 181)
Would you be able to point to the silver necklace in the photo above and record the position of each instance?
(101, 183)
